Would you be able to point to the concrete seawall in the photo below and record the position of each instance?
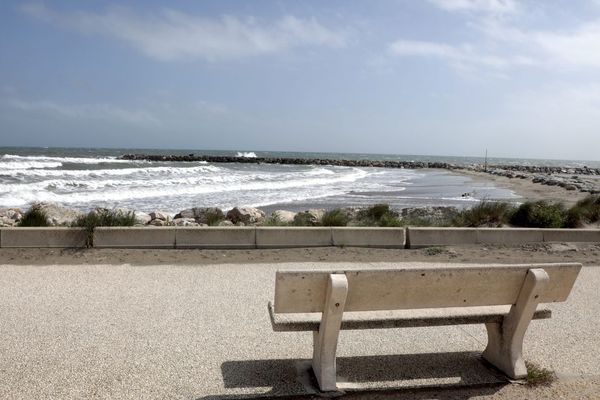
(43, 237)
(425, 237)
(284, 237)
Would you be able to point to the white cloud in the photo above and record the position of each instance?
(484, 6)
(463, 56)
(500, 43)
(173, 35)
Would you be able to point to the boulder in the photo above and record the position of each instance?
(158, 222)
(184, 222)
(163, 216)
(185, 214)
(226, 223)
(141, 218)
(4, 221)
(13, 214)
(208, 215)
(58, 215)
(309, 217)
(284, 216)
(202, 215)
(246, 215)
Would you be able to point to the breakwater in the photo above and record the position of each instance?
(291, 161)
(532, 169)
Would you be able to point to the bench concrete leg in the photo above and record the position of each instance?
(326, 338)
(505, 340)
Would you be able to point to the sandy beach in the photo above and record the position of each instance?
(526, 189)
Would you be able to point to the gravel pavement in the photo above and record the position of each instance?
(192, 332)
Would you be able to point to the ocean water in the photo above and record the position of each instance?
(88, 178)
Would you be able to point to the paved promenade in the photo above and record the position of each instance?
(185, 332)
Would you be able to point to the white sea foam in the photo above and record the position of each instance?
(25, 165)
(246, 154)
(78, 160)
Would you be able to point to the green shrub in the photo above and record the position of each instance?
(539, 214)
(575, 218)
(305, 218)
(378, 215)
(375, 212)
(35, 216)
(335, 217)
(486, 213)
(103, 217)
(588, 209)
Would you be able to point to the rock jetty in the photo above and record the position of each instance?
(570, 178)
(291, 161)
(361, 163)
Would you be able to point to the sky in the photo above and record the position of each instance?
(430, 77)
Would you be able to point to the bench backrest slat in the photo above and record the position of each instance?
(429, 287)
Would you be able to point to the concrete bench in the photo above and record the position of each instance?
(503, 297)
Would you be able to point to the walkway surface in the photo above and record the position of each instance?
(185, 332)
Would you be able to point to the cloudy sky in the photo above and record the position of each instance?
(440, 77)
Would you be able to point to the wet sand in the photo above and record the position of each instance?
(526, 189)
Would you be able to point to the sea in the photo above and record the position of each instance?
(84, 179)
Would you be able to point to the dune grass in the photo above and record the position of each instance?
(103, 217)
(35, 216)
(484, 214)
(335, 217)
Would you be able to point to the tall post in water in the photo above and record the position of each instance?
(485, 163)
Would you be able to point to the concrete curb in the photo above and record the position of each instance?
(368, 237)
(43, 237)
(284, 237)
(423, 237)
(135, 237)
(215, 238)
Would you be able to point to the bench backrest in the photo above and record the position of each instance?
(422, 287)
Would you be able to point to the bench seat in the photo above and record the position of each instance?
(399, 318)
(505, 298)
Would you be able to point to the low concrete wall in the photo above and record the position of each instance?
(216, 238)
(282, 237)
(572, 235)
(368, 237)
(134, 237)
(424, 237)
(42, 237)
(509, 235)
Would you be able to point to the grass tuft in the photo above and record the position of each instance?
(103, 217)
(214, 216)
(379, 215)
(335, 217)
(486, 213)
(537, 375)
(274, 220)
(35, 216)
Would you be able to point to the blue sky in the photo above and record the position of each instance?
(440, 77)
